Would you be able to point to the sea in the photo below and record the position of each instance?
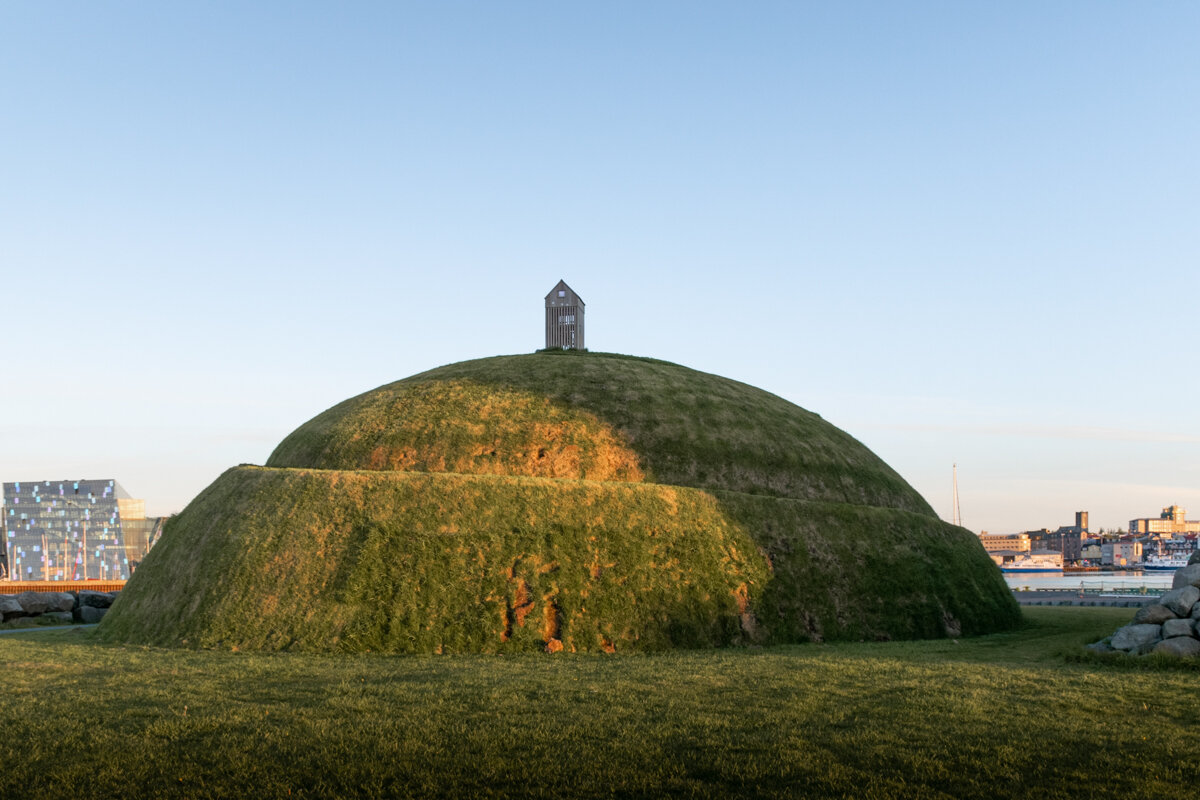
(1122, 582)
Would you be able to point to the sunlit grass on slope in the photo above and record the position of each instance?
(418, 562)
(683, 427)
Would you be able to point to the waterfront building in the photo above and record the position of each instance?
(564, 319)
(1121, 553)
(1167, 546)
(1037, 538)
(1171, 522)
(1068, 539)
(1005, 542)
(74, 530)
(1181, 545)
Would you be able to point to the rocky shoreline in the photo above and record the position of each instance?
(62, 608)
(1170, 625)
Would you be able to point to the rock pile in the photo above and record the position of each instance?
(1170, 626)
(84, 606)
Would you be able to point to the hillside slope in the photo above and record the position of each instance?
(559, 501)
(404, 562)
(597, 416)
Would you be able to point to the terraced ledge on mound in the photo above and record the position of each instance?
(414, 562)
(602, 417)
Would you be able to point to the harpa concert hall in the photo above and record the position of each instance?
(73, 531)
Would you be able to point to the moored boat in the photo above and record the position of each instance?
(1165, 562)
(1036, 562)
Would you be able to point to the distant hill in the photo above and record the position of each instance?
(577, 501)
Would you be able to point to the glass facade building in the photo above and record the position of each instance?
(74, 530)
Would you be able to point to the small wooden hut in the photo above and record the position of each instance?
(564, 319)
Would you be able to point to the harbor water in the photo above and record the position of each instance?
(1121, 582)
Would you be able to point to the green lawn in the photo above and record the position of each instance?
(1008, 715)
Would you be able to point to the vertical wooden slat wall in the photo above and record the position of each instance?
(564, 319)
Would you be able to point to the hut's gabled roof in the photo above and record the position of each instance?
(563, 295)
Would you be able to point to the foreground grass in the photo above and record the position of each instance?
(1007, 715)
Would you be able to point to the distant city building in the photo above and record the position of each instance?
(1067, 540)
(1005, 543)
(1168, 545)
(74, 530)
(1181, 545)
(1121, 553)
(1037, 538)
(1170, 522)
(564, 319)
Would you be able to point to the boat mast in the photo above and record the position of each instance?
(957, 513)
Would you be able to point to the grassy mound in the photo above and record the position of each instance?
(402, 562)
(575, 502)
(600, 417)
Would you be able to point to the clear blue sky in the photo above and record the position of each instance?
(963, 232)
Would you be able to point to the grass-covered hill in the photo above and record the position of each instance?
(582, 502)
(566, 414)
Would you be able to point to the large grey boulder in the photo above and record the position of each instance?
(95, 599)
(1100, 648)
(1132, 637)
(1179, 646)
(89, 615)
(34, 603)
(61, 601)
(1188, 576)
(1177, 627)
(1195, 558)
(60, 616)
(10, 608)
(1154, 614)
(1181, 600)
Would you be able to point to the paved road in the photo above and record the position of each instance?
(41, 628)
(1073, 599)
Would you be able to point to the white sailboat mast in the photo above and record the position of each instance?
(957, 513)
